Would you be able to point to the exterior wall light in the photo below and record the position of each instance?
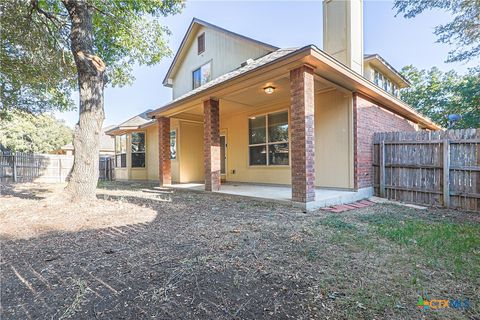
(269, 89)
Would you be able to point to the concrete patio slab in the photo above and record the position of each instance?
(279, 193)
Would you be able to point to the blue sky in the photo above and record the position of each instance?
(283, 24)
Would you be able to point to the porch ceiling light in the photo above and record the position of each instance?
(269, 89)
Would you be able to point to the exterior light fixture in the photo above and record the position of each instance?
(269, 89)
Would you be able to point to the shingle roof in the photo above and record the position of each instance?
(235, 73)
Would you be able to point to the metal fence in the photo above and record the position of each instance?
(440, 168)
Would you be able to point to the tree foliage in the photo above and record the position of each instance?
(463, 32)
(438, 94)
(26, 132)
(38, 71)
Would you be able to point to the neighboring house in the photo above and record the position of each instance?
(246, 111)
(107, 145)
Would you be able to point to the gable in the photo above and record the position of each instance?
(224, 49)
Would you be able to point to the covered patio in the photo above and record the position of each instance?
(280, 193)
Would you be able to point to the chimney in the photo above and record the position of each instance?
(343, 32)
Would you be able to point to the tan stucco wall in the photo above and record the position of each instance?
(190, 153)
(175, 165)
(334, 140)
(236, 129)
(333, 144)
(225, 51)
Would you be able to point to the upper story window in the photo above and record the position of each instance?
(121, 151)
(201, 43)
(268, 139)
(383, 82)
(138, 150)
(202, 75)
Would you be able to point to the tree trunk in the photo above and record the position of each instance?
(91, 80)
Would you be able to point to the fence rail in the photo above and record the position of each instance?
(440, 168)
(29, 167)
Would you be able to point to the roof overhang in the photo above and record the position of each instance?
(325, 67)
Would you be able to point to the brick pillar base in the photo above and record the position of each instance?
(302, 134)
(211, 141)
(164, 170)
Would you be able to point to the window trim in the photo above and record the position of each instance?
(200, 68)
(266, 143)
(121, 153)
(198, 44)
(145, 152)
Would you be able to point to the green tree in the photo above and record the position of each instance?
(463, 32)
(438, 94)
(26, 132)
(49, 47)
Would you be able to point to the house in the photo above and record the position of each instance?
(245, 111)
(107, 145)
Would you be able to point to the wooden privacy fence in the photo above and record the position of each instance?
(29, 167)
(440, 168)
(107, 168)
(49, 168)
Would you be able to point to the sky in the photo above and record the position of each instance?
(283, 24)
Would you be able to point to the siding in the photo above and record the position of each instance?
(225, 51)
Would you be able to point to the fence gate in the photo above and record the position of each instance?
(440, 168)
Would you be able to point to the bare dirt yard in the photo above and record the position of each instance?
(187, 255)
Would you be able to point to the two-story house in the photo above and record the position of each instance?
(246, 111)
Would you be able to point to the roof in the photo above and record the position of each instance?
(399, 77)
(197, 22)
(232, 74)
(355, 82)
(139, 121)
(106, 141)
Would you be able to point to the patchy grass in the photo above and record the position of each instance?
(187, 255)
(455, 244)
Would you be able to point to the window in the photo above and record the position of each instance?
(387, 86)
(173, 145)
(202, 75)
(268, 140)
(201, 43)
(138, 150)
(395, 91)
(121, 151)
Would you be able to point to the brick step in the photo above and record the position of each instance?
(351, 206)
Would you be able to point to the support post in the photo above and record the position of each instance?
(302, 124)
(211, 140)
(164, 165)
(446, 173)
(382, 168)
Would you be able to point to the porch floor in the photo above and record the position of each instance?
(279, 193)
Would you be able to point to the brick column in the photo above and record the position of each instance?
(302, 134)
(211, 141)
(164, 169)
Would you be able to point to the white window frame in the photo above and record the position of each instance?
(266, 143)
(144, 152)
(200, 68)
(120, 153)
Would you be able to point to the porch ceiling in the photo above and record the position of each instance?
(254, 97)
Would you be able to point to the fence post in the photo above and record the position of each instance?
(14, 157)
(382, 168)
(60, 169)
(446, 173)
